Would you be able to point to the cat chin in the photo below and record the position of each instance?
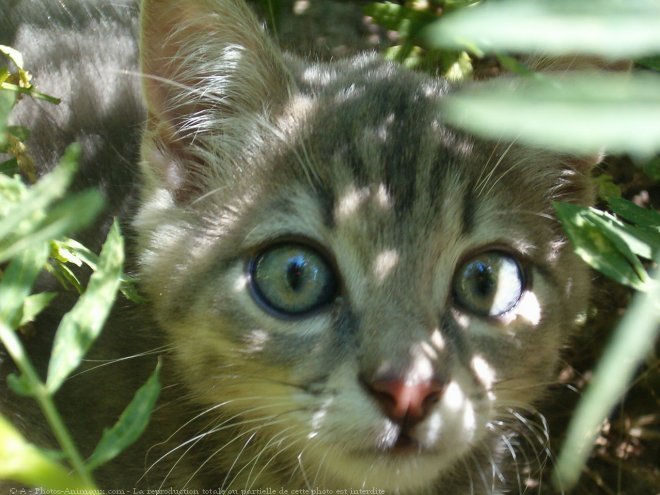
(401, 472)
(395, 466)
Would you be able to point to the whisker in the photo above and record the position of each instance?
(481, 187)
(226, 423)
(253, 431)
(264, 449)
(107, 362)
(236, 458)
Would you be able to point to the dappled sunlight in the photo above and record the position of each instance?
(383, 199)
(316, 75)
(438, 340)
(353, 199)
(241, 283)
(462, 319)
(434, 346)
(528, 308)
(384, 264)
(319, 416)
(456, 406)
(256, 341)
(485, 373)
(469, 418)
(454, 398)
(350, 202)
(420, 371)
(382, 131)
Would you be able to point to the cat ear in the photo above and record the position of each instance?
(208, 67)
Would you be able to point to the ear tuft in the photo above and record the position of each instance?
(202, 53)
(208, 68)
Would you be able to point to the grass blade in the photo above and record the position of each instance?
(130, 425)
(23, 462)
(17, 283)
(580, 113)
(631, 340)
(50, 188)
(607, 28)
(82, 325)
(70, 215)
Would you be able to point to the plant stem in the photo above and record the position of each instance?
(45, 400)
(29, 91)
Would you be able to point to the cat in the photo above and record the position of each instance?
(345, 292)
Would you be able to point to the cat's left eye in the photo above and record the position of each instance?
(489, 284)
(292, 279)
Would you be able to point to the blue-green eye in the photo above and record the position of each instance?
(292, 279)
(490, 284)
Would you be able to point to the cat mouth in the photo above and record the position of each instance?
(405, 445)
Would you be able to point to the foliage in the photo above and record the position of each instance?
(409, 21)
(584, 113)
(33, 220)
(446, 36)
(583, 102)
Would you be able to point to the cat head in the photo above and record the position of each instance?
(360, 294)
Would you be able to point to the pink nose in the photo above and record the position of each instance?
(406, 402)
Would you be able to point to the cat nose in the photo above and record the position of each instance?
(406, 402)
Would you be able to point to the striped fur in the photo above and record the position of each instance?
(244, 146)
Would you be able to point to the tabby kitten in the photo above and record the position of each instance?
(346, 292)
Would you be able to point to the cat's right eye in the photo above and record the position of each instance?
(489, 284)
(292, 279)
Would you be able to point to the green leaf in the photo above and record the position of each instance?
(19, 132)
(406, 21)
(9, 167)
(635, 214)
(50, 188)
(13, 55)
(82, 325)
(4, 74)
(631, 343)
(129, 290)
(650, 62)
(580, 113)
(65, 276)
(6, 104)
(607, 28)
(601, 246)
(17, 283)
(514, 65)
(35, 304)
(131, 423)
(71, 251)
(606, 186)
(20, 385)
(70, 215)
(24, 463)
(12, 190)
(638, 241)
(652, 168)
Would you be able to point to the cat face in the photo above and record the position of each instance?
(356, 293)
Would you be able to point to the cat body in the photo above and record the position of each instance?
(345, 292)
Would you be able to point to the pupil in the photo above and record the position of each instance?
(483, 281)
(294, 273)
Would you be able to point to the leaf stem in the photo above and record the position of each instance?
(45, 400)
(30, 92)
